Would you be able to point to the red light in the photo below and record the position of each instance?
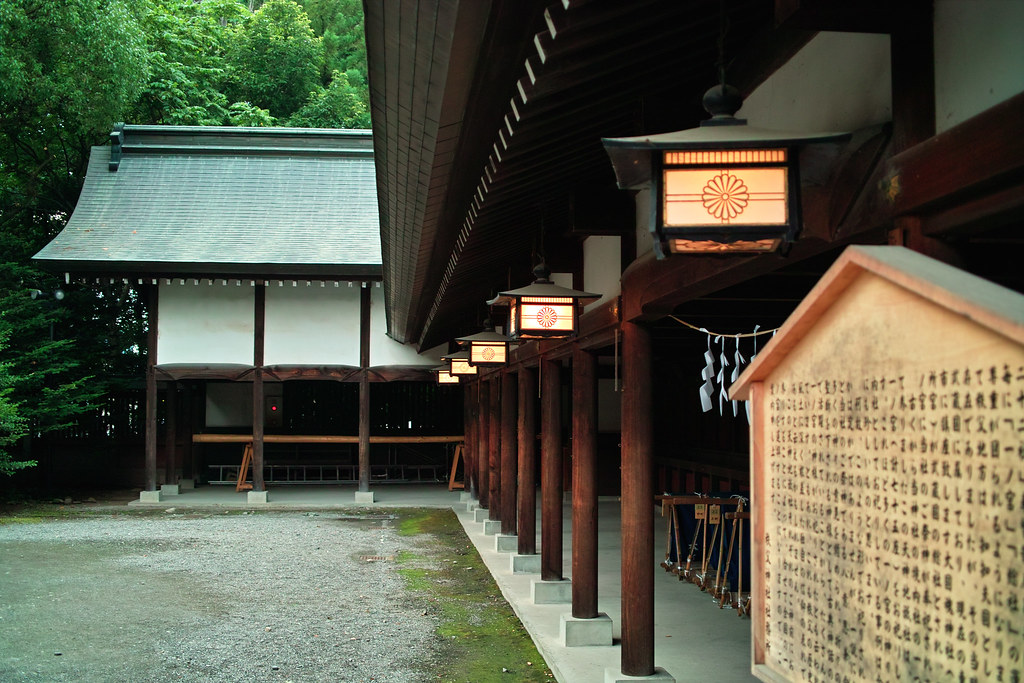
(273, 409)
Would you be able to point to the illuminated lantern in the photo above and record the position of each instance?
(458, 364)
(543, 310)
(724, 187)
(444, 375)
(486, 348)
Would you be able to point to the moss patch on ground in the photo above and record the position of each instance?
(482, 638)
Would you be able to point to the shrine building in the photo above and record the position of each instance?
(650, 201)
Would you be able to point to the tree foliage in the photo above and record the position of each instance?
(275, 60)
(70, 70)
(340, 105)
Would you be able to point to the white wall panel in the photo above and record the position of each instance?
(602, 266)
(386, 351)
(979, 57)
(837, 82)
(312, 325)
(205, 323)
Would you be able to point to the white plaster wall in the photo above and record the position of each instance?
(205, 323)
(562, 280)
(979, 57)
(386, 351)
(312, 325)
(602, 263)
(837, 82)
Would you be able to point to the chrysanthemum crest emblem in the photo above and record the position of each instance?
(725, 197)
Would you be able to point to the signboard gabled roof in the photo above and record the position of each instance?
(985, 303)
(187, 200)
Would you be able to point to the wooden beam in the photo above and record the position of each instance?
(551, 470)
(494, 449)
(364, 389)
(527, 445)
(983, 154)
(509, 462)
(863, 16)
(637, 500)
(584, 484)
(913, 79)
(259, 340)
(152, 301)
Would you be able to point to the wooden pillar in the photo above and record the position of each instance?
(483, 467)
(364, 388)
(151, 356)
(188, 457)
(584, 484)
(527, 428)
(551, 471)
(509, 483)
(171, 434)
(469, 433)
(494, 450)
(259, 336)
(637, 504)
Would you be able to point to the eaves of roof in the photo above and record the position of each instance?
(548, 82)
(222, 201)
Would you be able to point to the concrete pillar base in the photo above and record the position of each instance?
(364, 497)
(472, 506)
(659, 675)
(551, 592)
(170, 489)
(149, 497)
(492, 527)
(525, 564)
(506, 543)
(585, 632)
(465, 496)
(480, 514)
(256, 497)
(187, 484)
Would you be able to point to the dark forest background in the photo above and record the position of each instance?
(70, 70)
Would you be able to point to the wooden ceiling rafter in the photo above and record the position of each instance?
(518, 117)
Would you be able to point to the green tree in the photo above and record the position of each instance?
(71, 67)
(340, 105)
(187, 43)
(247, 114)
(340, 24)
(275, 60)
(12, 423)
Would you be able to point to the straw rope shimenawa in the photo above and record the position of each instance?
(756, 333)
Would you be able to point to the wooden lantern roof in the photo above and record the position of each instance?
(218, 201)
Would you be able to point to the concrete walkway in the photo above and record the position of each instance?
(695, 641)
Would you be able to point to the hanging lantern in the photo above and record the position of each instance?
(543, 310)
(444, 375)
(486, 348)
(458, 364)
(724, 187)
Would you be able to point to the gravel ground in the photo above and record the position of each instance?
(210, 597)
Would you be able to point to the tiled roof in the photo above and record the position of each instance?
(219, 201)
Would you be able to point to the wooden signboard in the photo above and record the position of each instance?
(887, 447)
